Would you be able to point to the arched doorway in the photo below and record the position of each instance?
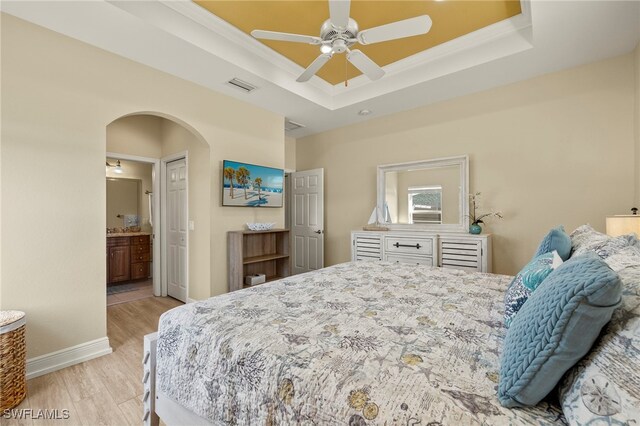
(175, 252)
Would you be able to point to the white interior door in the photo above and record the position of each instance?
(307, 220)
(177, 248)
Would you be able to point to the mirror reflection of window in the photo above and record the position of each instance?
(425, 204)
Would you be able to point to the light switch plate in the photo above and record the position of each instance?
(192, 225)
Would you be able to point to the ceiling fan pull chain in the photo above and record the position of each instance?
(346, 71)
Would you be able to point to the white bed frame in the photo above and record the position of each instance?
(157, 405)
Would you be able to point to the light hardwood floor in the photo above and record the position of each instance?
(105, 390)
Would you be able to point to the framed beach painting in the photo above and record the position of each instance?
(248, 185)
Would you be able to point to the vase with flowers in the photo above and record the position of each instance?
(477, 218)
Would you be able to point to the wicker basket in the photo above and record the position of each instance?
(13, 350)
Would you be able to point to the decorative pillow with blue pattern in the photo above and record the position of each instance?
(526, 282)
(557, 240)
(556, 327)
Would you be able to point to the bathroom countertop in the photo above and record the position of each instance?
(127, 234)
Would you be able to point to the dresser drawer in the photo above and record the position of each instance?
(140, 257)
(140, 249)
(141, 239)
(139, 270)
(419, 246)
(414, 260)
(117, 241)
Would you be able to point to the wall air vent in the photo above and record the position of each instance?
(292, 125)
(242, 85)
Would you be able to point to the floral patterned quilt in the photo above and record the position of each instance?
(362, 343)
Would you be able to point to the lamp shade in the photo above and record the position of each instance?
(621, 225)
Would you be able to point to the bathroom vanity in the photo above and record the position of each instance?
(128, 256)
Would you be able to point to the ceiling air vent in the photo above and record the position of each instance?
(292, 125)
(242, 85)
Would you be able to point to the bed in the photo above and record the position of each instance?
(361, 343)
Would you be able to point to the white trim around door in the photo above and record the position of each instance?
(163, 220)
(157, 231)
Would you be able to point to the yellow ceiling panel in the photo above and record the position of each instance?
(451, 19)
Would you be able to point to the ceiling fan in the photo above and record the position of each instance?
(340, 32)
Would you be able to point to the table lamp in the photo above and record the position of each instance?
(624, 224)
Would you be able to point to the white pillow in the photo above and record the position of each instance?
(585, 239)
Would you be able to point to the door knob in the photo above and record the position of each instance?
(318, 231)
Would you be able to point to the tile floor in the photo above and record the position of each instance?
(144, 290)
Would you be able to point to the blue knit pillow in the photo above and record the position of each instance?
(557, 240)
(526, 282)
(556, 327)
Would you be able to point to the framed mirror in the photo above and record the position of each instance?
(123, 200)
(430, 194)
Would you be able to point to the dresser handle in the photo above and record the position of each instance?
(407, 245)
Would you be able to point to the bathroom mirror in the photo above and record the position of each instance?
(430, 194)
(123, 199)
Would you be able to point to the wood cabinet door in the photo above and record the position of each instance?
(119, 264)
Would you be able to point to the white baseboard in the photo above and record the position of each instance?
(57, 360)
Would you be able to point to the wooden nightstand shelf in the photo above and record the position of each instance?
(257, 252)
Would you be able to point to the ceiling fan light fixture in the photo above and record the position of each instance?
(340, 32)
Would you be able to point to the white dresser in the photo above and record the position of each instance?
(448, 250)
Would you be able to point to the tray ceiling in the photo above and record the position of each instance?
(451, 19)
(185, 40)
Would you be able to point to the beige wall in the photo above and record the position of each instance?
(637, 125)
(58, 96)
(551, 150)
(138, 135)
(132, 170)
(290, 153)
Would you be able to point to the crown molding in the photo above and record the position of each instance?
(166, 37)
(210, 33)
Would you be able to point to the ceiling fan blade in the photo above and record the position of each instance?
(339, 12)
(314, 67)
(395, 30)
(365, 64)
(296, 38)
